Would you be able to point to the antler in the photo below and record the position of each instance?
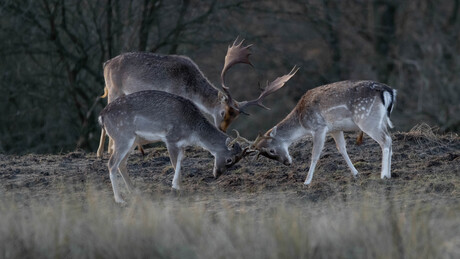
(247, 150)
(252, 144)
(259, 138)
(237, 53)
(269, 89)
(238, 138)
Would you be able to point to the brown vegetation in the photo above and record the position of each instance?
(62, 205)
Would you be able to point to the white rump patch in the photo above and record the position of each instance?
(389, 122)
(387, 99)
(370, 107)
(394, 99)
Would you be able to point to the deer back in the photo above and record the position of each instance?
(133, 72)
(156, 115)
(342, 104)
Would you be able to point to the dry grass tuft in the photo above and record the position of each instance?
(95, 227)
(426, 134)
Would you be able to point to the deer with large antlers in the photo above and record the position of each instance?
(179, 75)
(150, 116)
(334, 108)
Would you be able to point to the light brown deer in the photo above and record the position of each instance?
(333, 109)
(179, 75)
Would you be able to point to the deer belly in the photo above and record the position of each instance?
(344, 124)
(148, 137)
(150, 129)
(339, 118)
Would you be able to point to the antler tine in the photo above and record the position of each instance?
(269, 89)
(252, 147)
(259, 138)
(239, 138)
(252, 144)
(236, 53)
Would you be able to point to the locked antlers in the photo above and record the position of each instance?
(252, 145)
(237, 53)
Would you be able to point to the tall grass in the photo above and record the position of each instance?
(95, 227)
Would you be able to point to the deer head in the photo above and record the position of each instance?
(272, 147)
(233, 154)
(230, 108)
(227, 158)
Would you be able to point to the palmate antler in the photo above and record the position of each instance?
(237, 53)
(269, 89)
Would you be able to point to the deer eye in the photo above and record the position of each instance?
(222, 113)
(229, 161)
(272, 151)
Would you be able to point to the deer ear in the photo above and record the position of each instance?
(273, 132)
(222, 97)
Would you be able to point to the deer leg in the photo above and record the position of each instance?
(124, 172)
(318, 143)
(110, 147)
(386, 157)
(110, 98)
(121, 151)
(359, 139)
(381, 136)
(139, 147)
(100, 149)
(384, 141)
(341, 146)
(175, 154)
(389, 157)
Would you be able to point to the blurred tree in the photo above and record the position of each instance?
(53, 51)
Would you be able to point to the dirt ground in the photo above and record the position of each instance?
(425, 167)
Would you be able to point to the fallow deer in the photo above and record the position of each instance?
(179, 75)
(150, 116)
(334, 108)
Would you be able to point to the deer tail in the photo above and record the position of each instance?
(106, 91)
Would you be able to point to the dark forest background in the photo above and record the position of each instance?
(52, 53)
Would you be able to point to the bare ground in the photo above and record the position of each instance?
(425, 168)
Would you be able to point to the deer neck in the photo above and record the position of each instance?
(206, 96)
(205, 105)
(210, 138)
(290, 129)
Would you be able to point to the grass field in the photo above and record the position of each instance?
(174, 227)
(61, 206)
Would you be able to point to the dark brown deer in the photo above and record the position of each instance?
(334, 108)
(132, 72)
